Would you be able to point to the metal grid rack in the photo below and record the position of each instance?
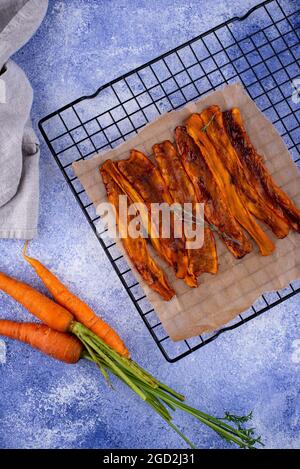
(265, 61)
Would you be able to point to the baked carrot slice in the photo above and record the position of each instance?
(147, 181)
(70, 303)
(182, 191)
(257, 171)
(64, 347)
(141, 182)
(212, 119)
(111, 168)
(217, 213)
(227, 185)
(136, 248)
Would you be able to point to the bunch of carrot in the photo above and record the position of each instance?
(71, 331)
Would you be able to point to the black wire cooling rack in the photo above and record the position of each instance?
(260, 49)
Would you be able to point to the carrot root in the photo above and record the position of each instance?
(50, 313)
(80, 310)
(58, 345)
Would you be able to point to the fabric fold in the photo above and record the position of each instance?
(19, 146)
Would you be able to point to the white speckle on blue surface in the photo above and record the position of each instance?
(81, 45)
(2, 352)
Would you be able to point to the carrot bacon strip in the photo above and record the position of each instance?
(58, 345)
(136, 248)
(173, 173)
(70, 302)
(207, 191)
(147, 181)
(257, 171)
(49, 312)
(111, 168)
(227, 184)
(160, 245)
(182, 191)
(141, 182)
(214, 127)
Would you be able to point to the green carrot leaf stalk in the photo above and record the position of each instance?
(160, 397)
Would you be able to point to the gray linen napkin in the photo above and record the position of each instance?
(19, 146)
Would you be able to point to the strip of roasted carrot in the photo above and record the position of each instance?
(257, 171)
(111, 168)
(212, 119)
(182, 191)
(227, 185)
(166, 248)
(217, 213)
(145, 179)
(136, 248)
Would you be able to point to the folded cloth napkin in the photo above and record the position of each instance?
(19, 146)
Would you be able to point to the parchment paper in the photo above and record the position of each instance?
(239, 283)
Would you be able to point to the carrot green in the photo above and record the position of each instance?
(159, 396)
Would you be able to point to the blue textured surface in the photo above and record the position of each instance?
(45, 404)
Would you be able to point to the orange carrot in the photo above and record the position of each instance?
(50, 313)
(80, 310)
(58, 345)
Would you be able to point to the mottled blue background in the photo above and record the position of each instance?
(45, 404)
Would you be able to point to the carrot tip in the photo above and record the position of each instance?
(25, 249)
